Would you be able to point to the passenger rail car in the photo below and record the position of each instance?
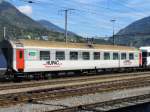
(145, 56)
(3, 64)
(37, 56)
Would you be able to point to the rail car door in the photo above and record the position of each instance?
(20, 60)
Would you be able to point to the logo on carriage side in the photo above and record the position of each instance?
(55, 63)
(127, 62)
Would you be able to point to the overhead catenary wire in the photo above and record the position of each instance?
(52, 4)
(86, 9)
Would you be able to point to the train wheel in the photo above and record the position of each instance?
(17, 78)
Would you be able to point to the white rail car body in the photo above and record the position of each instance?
(146, 55)
(45, 56)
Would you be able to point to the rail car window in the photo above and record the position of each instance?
(73, 55)
(106, 56)
(85, 55)
(44, 55)
(20, 54)
(123, 56)
(131, 56)
(115, 56)
(96, 55)
(144, 54)
(60, 55)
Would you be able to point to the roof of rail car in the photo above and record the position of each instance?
(54, 44)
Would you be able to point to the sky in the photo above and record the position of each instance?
(89, 17)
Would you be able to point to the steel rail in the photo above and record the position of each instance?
(67, 80)
(42, 94)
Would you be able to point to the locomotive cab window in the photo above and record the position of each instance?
(73, 55)
(115, 56)
(60, 55)
(131, 56)
(123, 56)
(86, 56)
(96, 55)
(44, 55)
(106, 56)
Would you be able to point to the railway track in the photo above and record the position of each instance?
(98, 107)
(61, 90)
(67, 80)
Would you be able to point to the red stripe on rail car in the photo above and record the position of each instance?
(20, 60)
(140, 58)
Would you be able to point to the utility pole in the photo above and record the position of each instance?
(4, 33)
(113, 22)
(66, 23)
(66, 19)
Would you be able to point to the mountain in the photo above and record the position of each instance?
(19, 25)
(141, 26)
(9, 15)
(54, 27)
(16, 23)
(135, 34)
(50, 26)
